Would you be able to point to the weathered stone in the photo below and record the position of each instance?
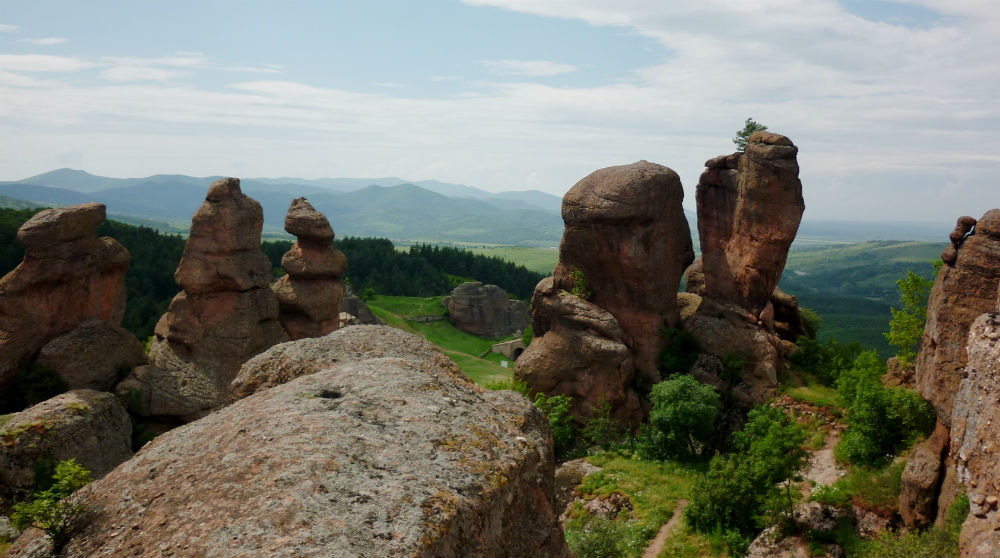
(922, 479)
(897, 374)
(747, 220)
(378, 456)
(730, 333)
(568, 476)
(310, 295)
(961, 292)
(89, 426)
(975, 431)
(578, 351)
(225, 315)
(627, 238)
(304, 221)
(485, 310)
(68, 276)
(95, 355)
(353, 305)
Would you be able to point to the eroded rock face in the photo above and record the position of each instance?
(370, 456)
(225, 314)
(962, 291)
(310, 294)
(975, 429)
(95, 355)
(68, 276)
(485, 310)
(89, 426)
(749, 208)
(921, 479)
(351, 304)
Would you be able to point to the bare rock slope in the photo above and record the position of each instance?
(378, 453)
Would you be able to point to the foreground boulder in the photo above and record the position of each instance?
(309, 295)
(749, 208)
(371, 456)
(68, 276)
(965, 288)
(225, 314)
(485, 310)
(622, 254)
(975, 429)
(89, 426)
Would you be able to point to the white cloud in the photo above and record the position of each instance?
(125, 73)
(42, 63)
(534, 68)
(45, 41)
(6, 28)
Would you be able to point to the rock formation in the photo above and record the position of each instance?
(369, 456)
(310, 294)
(352, 305)
(89, 426)
(95, 355)
(921, 480)
(225, 314)
(485, 310)
(624, 249)
(975, 430)
(964, 289)
(68, 276)
(749, 208)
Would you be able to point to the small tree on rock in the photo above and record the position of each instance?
(743, 135)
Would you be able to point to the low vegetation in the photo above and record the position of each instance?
(49, 509)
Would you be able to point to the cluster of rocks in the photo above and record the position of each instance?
(598, 319)
(310, 294)
(485, 310)
(68, 276)
(958, 372)
(224, 314)
(377, 445)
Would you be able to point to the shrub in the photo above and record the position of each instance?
(683, 415)
(556, 408)
(48, 509)
(602, 430)
(597, 537)
(581, 287)
(527, 335)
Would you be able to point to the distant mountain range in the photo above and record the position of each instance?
(425, 211)
(405, 212)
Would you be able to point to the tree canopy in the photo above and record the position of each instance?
(743, 135)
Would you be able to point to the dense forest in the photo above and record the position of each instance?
(374, 266)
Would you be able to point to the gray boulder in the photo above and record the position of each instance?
(95, 355)
(485, 310)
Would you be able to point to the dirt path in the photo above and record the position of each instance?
(823, 467)
(656, 547)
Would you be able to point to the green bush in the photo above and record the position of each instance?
(940, 541)
(581, 287)
(48, 509)
(601, 430)
(680, 350)
(556, 408)
(527, 335)
(682, 418)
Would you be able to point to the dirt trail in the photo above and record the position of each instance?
(823, 468)
(656, 547)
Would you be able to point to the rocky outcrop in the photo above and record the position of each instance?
(351, 304)
(579, 351)
(745, 358)
(95, 355)
(964, 289)
(485, 310)
(369, 456)
(225, 314)
(975, 429)
(68, 276)
(89, 426)
(749, 208)
(310, 294)
(921, 480)
(624, 249)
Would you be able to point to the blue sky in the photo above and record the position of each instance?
(895, 105)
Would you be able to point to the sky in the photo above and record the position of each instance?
(895, 106)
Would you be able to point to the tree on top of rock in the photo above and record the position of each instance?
(743, 135)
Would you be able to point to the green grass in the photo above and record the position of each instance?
(817, 394)
(684, 542)
(542, 260)
(461, 347)
(653, 488)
